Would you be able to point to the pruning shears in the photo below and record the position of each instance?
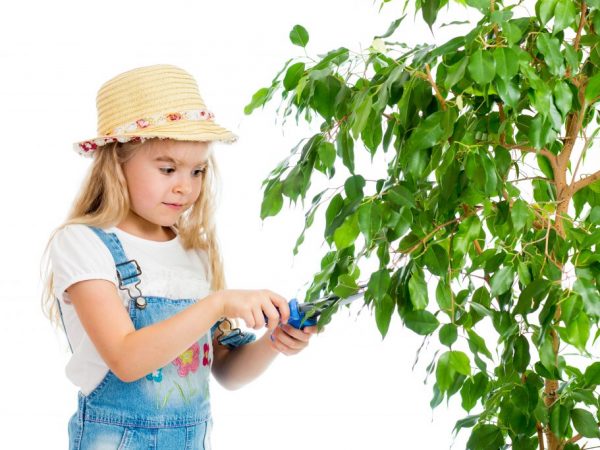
(299, 311)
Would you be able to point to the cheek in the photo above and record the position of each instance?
(142, 192)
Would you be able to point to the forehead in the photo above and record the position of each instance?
(185, 152)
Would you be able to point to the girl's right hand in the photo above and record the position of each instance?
(250, 305)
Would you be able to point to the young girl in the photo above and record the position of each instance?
(136, 279)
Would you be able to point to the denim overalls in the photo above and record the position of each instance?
(167, 409)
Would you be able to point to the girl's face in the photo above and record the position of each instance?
(164, 179)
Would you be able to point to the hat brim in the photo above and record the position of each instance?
(181, 130)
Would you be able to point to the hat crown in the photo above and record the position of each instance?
(144, 92)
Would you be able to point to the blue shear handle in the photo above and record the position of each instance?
(296, 317)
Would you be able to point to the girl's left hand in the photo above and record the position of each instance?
(289, 340)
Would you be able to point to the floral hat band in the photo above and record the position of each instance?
(159, 101)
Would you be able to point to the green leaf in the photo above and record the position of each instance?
(383, 313)
(592, 375)
(563, 97)
(589, 295)
(577, 332)
(468, 231)
(258, 99)
(345, 148)
(522, 356)
(326, 151)
(443, 295)
(559, 420)
(544, 9)
(508, 92)
(477, 344)
(592, 90)
(485, 437)
(520, 214)
(482, 66)
(379, 283)
(539, 131)
(533, 293)
(293, 75)
(428, 133)
(361, 114)
(346, 286)
(444, 373)
(456, 72)
(507, 63)
(473, 389)
(502, 281)
(429, 9)
(417, 289)
(421, 322)
(436, 259)
(353, 186)
(346, 234)
(550, 48)
(585, 423)
(393, 26)
(459, 361)
(369, 220)
(448, 334)
(564, 15)
(299, 36)
(272, 200)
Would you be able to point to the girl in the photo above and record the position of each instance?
(135, 276)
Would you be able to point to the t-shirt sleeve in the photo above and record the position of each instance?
(77, 254)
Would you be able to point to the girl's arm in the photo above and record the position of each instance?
(130, 353)
(237, 367)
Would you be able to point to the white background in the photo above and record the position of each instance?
(348, 389)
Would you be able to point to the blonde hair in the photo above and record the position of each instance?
(103, 201)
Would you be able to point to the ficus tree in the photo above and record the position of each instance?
(490, 197)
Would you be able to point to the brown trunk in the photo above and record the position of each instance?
(550, 388)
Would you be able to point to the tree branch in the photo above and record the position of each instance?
(547, 153)
(435, 88)
(578, 185)
(581, 24)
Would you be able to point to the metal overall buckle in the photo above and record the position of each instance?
(227, 330)
(140, 301)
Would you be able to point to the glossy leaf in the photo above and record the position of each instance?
(299, 36)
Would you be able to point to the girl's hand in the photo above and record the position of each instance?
(289, 340)
(253, 305)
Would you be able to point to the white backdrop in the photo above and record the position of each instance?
(348, 389)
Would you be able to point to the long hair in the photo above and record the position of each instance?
(103, 201)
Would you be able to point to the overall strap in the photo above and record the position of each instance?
(128, 270)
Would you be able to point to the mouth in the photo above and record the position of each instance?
(174, 205)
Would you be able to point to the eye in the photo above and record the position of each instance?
(199, 172)
(167, 170)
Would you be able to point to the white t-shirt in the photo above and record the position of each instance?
(77, 254)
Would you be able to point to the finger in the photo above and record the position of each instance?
(272, 316)
(311, 330)
(278, 346)
(248, 318)
(259, 320)
(295, 333)
(282, 305)
(288, 340)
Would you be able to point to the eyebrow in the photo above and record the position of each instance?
(175, 161)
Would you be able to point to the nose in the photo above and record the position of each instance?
(183, 185)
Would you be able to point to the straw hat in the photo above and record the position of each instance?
(154, 101)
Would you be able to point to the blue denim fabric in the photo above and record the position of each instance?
(166, 409)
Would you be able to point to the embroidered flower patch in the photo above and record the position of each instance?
(188, 361)
(206, 360)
